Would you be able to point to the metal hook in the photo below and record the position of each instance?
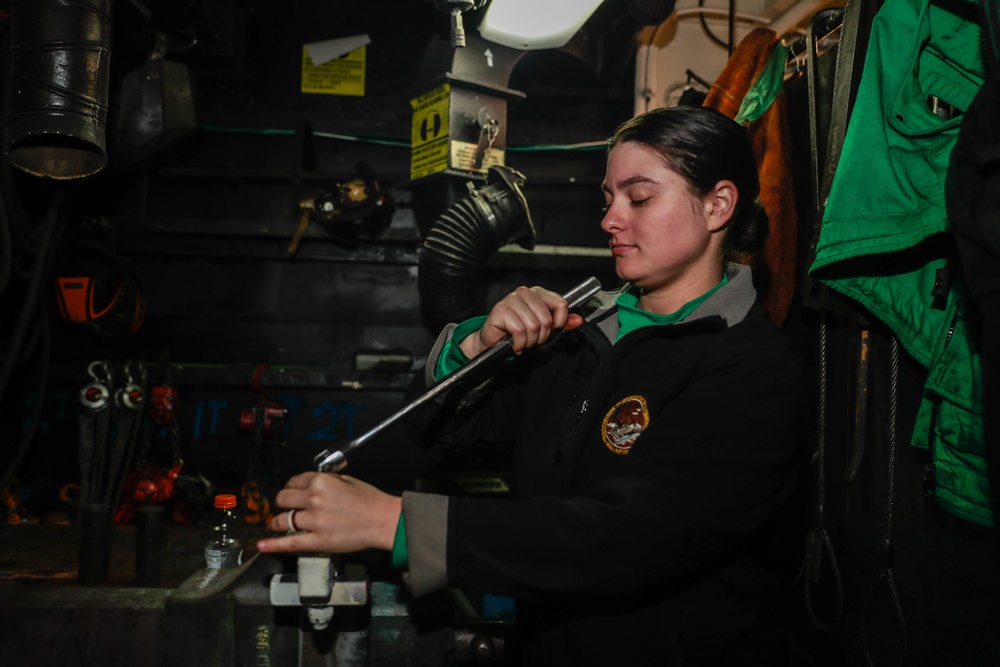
(95, 395)
(130, 395)
(93, 374)
(128, 372)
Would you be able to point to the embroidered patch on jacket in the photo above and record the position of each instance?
(624, 423)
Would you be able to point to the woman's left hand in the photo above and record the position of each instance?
(333, 514)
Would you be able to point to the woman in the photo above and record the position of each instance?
(654, 446)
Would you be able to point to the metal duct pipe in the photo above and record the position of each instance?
(459, 242)
(60, 56)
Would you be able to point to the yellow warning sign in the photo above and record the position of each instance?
(429, 133)
(341, 76)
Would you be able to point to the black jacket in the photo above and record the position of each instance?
(645, 475)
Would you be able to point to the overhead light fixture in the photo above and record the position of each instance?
(534, 24)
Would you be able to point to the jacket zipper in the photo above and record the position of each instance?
(930, 469)
(564, 447)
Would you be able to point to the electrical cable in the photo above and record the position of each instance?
(582, 146)
(732, 26)
(41, 392)
(389, 141)
(51, 230)
(6, 251)
(730, 14)
(272, 131)
(724, 13)
(25, 238)
(708, 31)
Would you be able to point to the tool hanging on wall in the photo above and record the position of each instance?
(353, 209)
(109, 429)
(149, 483)
(129, 401)
(266, 423)
(99, 292)
(95, 427)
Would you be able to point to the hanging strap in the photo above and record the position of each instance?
(128, 406)
(94, 430)
(818, 539)
(814, 293)
(818, 543)
(884, 578)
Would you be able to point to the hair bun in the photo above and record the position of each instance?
(756, 227)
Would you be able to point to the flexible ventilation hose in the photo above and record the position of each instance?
(454, 254)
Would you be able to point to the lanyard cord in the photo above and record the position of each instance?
(818, 541)
(128, 405)
(885, 575)
(94, 430)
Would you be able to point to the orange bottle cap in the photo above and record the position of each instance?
(225, 500)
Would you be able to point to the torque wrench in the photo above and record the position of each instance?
(327, 461)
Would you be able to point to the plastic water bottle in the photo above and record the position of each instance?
(224, 549)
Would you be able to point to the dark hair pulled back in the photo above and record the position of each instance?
(705, 146)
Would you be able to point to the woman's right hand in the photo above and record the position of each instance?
(528, 315)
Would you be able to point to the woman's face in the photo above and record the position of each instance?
(665, 239)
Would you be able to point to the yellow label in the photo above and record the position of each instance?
(341, 76)
(429, 132)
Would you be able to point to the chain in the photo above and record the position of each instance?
(268, 428)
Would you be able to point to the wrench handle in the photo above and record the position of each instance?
(327, 461)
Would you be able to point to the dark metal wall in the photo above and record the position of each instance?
(202, 219)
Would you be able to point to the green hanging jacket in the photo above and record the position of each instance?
(885, 238)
